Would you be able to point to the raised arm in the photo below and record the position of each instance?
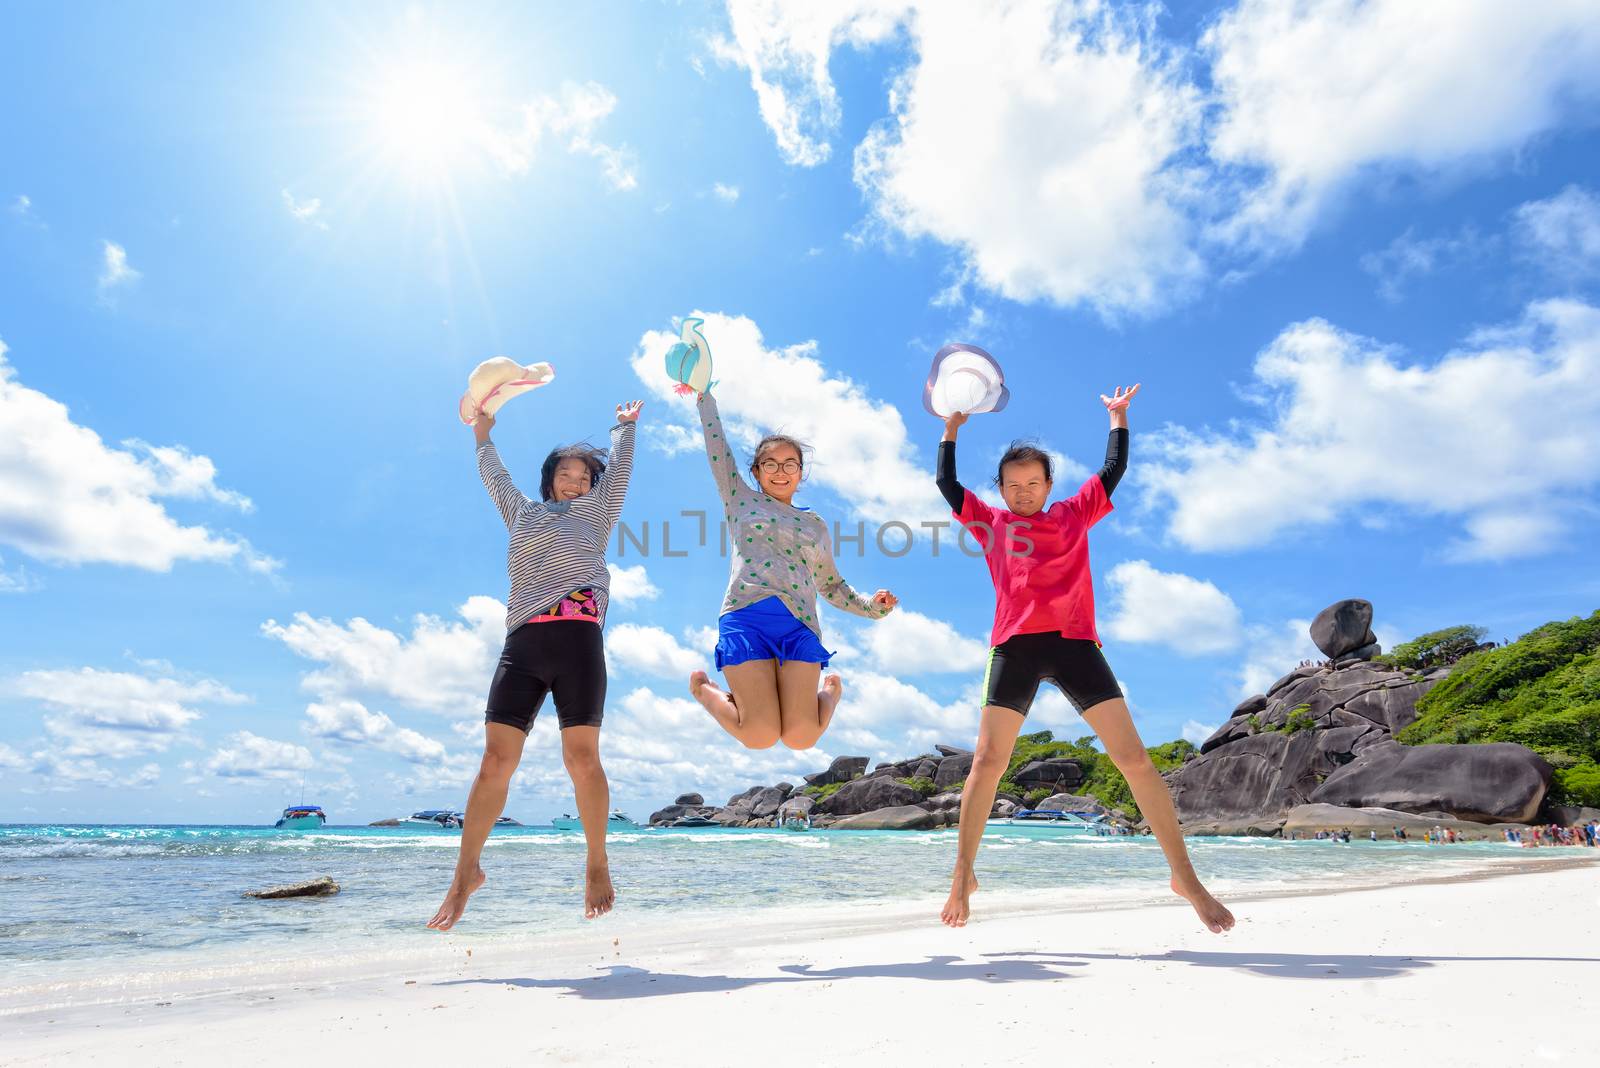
(496, 479)
(730, 483)
(839, 593)
(955, 494)
(613, 485)
(1117, 442)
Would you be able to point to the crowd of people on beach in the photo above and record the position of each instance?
(1553, 834)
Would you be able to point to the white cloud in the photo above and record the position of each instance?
(1197, 732)
(1187, 614)
(1272, 653)
(115, 271)
(1409, 257)
(1315, 96)
(1067, 153)
(862, 450)
(1562, 234)
(1351, 429)
(631, 584)
(725, 193)
(653, 651)
(22, 204)
(97, 713)
(19, 581)
(307, 211)
(67, 497)
(441, 666)
(571, 118)
(10, 758)
(250, 756)
(910, 643)
(351, 722)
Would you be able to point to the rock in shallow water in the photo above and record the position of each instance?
(320, 887)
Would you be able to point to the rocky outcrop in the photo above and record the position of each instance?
(320, 887)
(768, 801)
(689, 799)
(1073, 803)
(897, 818)
(843, 769)
(865, 795)
(1343, 628)
(952, 769)
(1056, 773)
(1490, 783)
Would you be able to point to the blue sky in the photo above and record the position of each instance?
(248, 258)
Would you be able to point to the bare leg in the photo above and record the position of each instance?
(804, 711)
(580, 751)
(997, 736)
(1111, 722)
(502, 751)
(750, 713)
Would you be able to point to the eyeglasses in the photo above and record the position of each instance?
(772, 467)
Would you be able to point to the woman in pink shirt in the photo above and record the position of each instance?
(1038, 557)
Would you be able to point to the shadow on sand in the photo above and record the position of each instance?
(624, 982)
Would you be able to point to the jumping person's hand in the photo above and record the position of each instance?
(482, 425)
(1119, 402)
(954, 423)
(886, 600)
(629, 412)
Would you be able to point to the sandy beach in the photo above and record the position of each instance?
(1483, 970)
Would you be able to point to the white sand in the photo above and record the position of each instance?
(1497, 971)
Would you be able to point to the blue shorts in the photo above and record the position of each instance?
(766, 630)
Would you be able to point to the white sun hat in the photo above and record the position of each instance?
(964, 378)
(497, 380)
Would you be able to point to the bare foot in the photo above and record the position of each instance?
(699, 681)
(828, 698)
(598, 895)
(455, 900)
(1213, 913)
(956, 909)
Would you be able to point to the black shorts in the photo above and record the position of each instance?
(566, 659)
(1076, 665)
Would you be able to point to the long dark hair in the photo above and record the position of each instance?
(1022, 452)
(594, 459)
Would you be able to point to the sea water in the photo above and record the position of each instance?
(77, 901)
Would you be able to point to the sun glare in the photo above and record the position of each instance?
(427, 118)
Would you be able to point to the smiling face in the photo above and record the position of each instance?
(570, 480)
(1024, 486)
(777, 469)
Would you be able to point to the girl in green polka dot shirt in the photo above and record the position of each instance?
(769, 640)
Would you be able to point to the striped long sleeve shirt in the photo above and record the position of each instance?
(778, 550)
(556, 550)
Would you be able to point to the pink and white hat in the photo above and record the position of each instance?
(497, 380)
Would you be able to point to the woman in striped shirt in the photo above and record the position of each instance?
(554, 619)
(769, 638)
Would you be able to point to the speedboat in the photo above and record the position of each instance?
(692, 821)
(447, 820)
(614, 822)
(302, 818)
(1056, 820)
(797, 823)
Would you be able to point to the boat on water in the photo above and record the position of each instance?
(614, 822)
(301, 818)
(796, 823)
(1057, 820)
(447, 820)
(693, 821)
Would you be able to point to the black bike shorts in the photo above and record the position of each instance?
(1076, 665)
(566, 659)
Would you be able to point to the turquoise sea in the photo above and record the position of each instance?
(87, 901)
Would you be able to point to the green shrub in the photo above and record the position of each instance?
(1254, 723)
(1541, 691)
(1577, 785)
(1300, 719)
(1171, 755)
(1033, 797)
(822, 793)
(1437, 647)
(924, 787)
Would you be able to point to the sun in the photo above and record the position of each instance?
(427, 118)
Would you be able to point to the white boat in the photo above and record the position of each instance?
(302, 818)
(614, 822)
(1057, 820)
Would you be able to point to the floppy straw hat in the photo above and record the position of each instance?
(497, 380)
(964, 378)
